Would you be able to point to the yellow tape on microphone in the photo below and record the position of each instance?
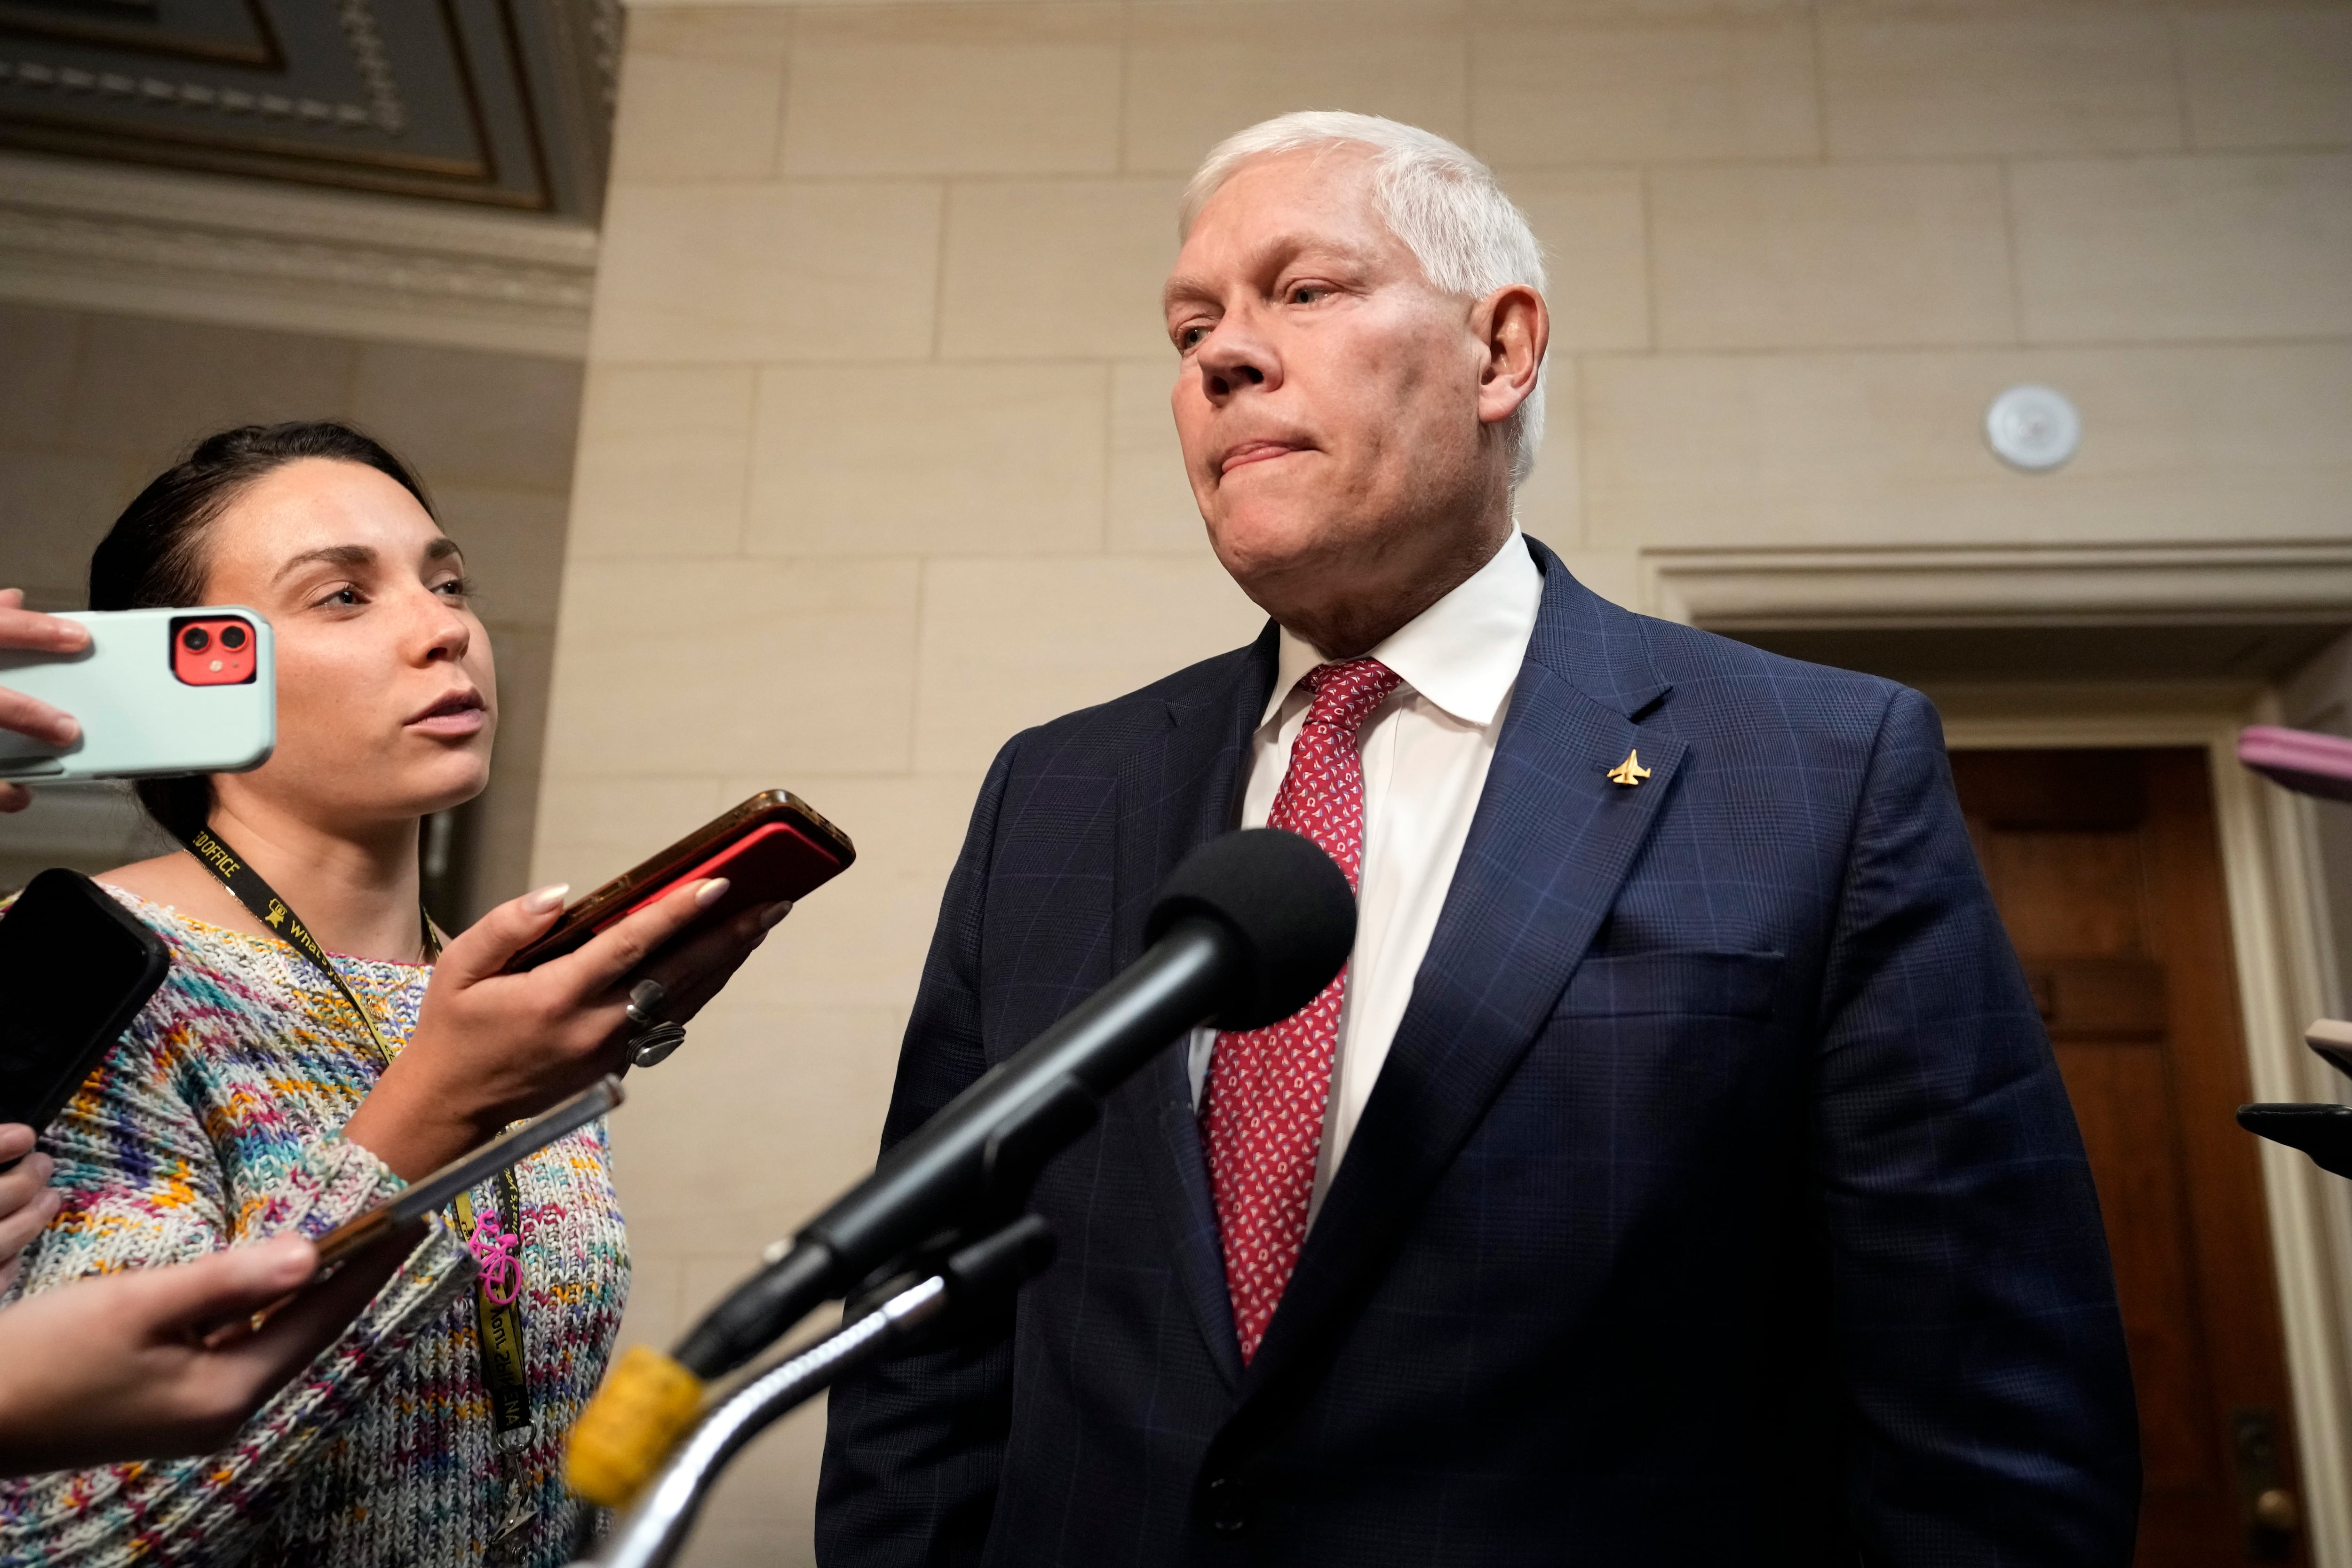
(630, 1426)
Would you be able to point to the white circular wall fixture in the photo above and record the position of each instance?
(2033, 429)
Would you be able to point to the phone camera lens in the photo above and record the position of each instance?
(195, 639)
(232, 638)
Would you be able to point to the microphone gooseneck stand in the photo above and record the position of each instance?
(651, 1533)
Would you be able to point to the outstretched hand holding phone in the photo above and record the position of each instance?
(28, 631)
(134, 1365)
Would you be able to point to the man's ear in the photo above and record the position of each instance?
(1513, 328)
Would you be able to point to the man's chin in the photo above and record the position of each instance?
(1289, 566)
(1267, 540)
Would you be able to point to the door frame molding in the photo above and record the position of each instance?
(2279, 929)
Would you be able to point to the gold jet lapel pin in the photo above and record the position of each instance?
(1629, 772)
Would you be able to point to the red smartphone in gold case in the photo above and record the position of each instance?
(773, 846)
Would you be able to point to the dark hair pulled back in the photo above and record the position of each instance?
(153, 558)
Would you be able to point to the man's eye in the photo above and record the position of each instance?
(1190, 338)
(1306, 294)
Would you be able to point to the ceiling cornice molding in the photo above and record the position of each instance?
(1762, 590)
(213, 248)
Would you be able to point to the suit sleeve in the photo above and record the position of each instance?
(912, 1445)
(1990, 1398)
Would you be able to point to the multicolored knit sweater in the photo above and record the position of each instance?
(217, 1119)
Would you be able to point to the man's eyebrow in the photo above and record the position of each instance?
(352, 556)
(1185, 288)
(1274, 252)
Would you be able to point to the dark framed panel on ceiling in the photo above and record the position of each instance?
(504, 103)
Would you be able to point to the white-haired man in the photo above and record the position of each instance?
(1678, 1173)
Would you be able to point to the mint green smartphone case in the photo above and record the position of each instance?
(137, 716)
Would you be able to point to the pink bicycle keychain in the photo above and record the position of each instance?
(495, 1252)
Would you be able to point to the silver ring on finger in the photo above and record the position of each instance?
(652, 1046)
(646, 1002)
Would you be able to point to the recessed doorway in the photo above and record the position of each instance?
(2107, 867)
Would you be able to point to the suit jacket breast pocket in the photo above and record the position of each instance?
(1686, 983)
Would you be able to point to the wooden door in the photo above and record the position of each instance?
(2107, 867)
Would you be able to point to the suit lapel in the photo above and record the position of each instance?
(1552, 840)
(1173, 796)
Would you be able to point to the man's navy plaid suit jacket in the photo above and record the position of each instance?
(1718, 1202)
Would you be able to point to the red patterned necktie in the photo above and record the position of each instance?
(1268, 1087)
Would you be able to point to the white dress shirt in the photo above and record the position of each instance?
(1426, 750)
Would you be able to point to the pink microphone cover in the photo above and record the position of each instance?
(2300, 760)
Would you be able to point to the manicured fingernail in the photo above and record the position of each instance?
(291, 1258)
(545, 899)
(710, 892)
(776, 912)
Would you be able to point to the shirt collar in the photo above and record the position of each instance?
(1462, 653)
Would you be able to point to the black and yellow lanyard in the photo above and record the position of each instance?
(499, 1325)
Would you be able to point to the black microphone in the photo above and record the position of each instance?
(1250, 928)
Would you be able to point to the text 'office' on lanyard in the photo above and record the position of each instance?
(497, 1311)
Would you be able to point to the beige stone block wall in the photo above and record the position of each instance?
(876, 465)
(2028, 80)
(2193, 446)
(2255, 245)
(1799, 256)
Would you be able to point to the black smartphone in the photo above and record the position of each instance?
(75, 968)
(2324, 1131)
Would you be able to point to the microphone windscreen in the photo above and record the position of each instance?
(1287, 902)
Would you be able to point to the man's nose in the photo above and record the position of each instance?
(1234, 356)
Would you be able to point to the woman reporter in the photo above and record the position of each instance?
(136, 1365)
(272, 1087)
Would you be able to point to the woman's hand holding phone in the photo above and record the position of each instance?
(492, 1047)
